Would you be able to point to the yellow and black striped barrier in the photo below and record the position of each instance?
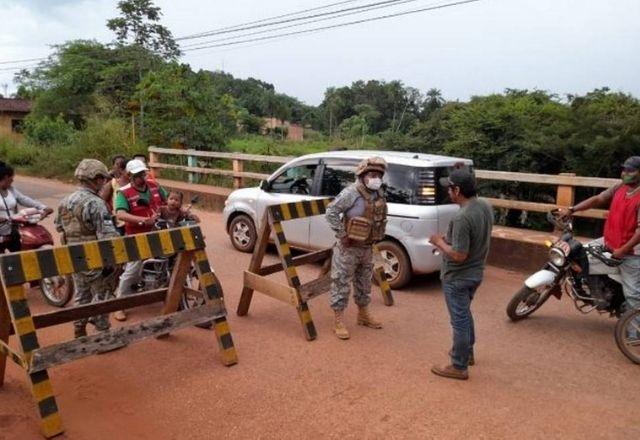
(295, 293)
(19, 268)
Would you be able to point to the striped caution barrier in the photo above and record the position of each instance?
(16, 269)
(294, 293)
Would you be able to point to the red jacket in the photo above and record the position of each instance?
(141, 210)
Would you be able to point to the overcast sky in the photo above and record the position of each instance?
(563, 46)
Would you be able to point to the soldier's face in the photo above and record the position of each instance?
(372, 175)
(98, 183)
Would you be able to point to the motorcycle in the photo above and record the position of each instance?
(57, 290)
(156, 272)
(589, 275)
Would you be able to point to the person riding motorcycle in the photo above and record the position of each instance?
(84, 216)
(622, 226)
(138, 205)
(10, 199)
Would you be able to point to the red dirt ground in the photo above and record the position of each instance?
(555, 375)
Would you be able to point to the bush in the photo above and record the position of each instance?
(48, 131)
(15, 154)
(101, 139)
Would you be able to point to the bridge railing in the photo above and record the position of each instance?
(565, 183)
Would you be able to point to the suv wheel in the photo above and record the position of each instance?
(396, 264)
(242, 233)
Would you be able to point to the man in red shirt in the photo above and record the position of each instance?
(622, 227)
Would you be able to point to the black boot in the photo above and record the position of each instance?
(79, 330)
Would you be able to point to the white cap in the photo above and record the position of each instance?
(136, 166)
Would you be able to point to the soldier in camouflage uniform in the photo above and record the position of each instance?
(84, 216)
(358, 216)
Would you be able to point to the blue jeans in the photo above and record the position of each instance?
(630, 273)
(458, 295)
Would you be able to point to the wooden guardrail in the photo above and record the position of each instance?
(565, 194)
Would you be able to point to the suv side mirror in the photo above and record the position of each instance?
(264, 185)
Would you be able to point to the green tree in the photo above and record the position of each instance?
(398, 107)
(605, 131)
(432, 102)
(138, 24)
(183, 108)
(82, 78)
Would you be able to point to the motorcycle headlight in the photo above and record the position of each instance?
(557, 257)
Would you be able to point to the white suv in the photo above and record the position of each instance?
(418, 206)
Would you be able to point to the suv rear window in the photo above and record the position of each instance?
(404, 184)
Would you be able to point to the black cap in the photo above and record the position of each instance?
(461, 177)
(632, 163)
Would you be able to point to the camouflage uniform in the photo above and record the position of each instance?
(353, 263)
(84, 216)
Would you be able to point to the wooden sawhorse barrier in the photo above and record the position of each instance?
(294, 292)
(19, 268)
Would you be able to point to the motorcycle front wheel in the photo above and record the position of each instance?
(190, 300)
(57, 290)
(628, 335)
(526, 301)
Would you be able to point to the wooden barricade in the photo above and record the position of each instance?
(294, 292)
(19, 268)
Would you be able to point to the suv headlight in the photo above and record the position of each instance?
(557, 257)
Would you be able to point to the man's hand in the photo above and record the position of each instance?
(565, 213)
(437, 240)
(150, 221)
(345, 241)
(619, 253)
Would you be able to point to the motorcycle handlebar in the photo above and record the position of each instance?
(604, 254)
(559, 221)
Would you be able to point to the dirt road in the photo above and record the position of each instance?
(556, 375)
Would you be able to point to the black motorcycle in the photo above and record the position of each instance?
(156, 272)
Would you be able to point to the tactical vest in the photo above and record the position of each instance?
(70, 212)
(369, 228)
(133, 195)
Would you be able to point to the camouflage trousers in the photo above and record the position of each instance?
(351, 264)
(93, 286)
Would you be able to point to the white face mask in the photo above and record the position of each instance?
(374, 184)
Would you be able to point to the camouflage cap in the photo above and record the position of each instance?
(375, 163)
(89, 169)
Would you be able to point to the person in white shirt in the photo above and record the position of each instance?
(10, 199)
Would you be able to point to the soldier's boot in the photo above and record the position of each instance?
(339, 327)
(79, 330)
(365, 318)
(100, 322)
